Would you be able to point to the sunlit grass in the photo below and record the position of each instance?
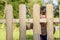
(29, 34)
(56, 35)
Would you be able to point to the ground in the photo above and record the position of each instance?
(29, 34)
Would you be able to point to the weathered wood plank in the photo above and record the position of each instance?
(36, 22)
(22, 21)
(9, 20)
(31, 20)
(49, 14)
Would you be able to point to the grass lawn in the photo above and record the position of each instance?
(29, 34)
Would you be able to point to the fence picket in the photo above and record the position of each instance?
(22, 19)
(36, 22)
(49, 14)
(9, 20)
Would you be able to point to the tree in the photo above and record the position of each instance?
(58, 1)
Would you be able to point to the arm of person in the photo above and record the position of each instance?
(28, 27)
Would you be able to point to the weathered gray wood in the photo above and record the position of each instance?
(49, 14)
(9, 20)
(31, 20)
(36, 22)
(22, 19)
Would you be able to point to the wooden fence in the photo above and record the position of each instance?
(36, 20)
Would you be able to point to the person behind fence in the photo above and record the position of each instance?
(43, 35)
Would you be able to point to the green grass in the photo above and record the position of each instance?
(29, 34)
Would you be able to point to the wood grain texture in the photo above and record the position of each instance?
(22, 21)
(9, 21)
(49, 14)
(36, 22)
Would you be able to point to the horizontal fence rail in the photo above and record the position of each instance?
(30, 20)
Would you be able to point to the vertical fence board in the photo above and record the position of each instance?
(49, 11)
(22, 19)
(9, 19)
(36, 22)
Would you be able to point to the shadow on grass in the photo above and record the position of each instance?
(56, 38)
(30, 37)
